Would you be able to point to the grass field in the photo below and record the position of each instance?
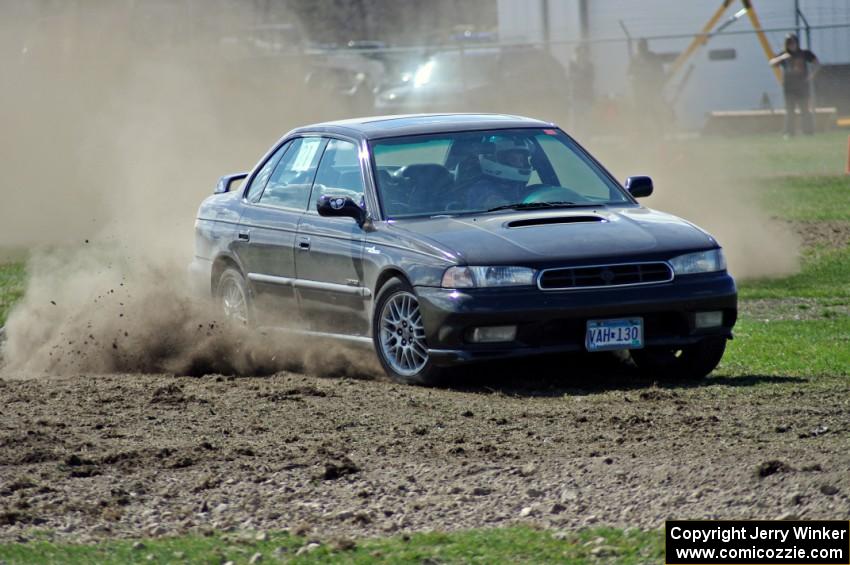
(769, 156)
(796, 326)
(809, 197)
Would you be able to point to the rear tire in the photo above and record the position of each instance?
(690, 362)
(232, 297)
(399, 336)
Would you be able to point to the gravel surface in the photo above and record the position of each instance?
(130, 455)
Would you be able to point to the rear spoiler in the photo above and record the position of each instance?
(225, 183)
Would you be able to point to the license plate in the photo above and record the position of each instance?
(607, 335)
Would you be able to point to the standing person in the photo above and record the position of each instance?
(646, 71)
(799, 67)
(581, 87)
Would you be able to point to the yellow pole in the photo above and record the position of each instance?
(698, 40)
(765, 44)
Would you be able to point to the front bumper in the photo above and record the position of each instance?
(555, 321)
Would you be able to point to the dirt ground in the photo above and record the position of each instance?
(129, 455)
(833, 234)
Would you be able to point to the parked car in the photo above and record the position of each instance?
(441, 240)
(517, 79)
(345, 79)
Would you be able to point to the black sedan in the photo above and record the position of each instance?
(448, 239)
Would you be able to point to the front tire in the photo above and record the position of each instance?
(690, 362)
(399, 336)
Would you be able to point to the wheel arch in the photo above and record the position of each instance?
(221, 263)
(388, 273)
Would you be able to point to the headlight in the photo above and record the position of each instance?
(702, 262)
(472, 277)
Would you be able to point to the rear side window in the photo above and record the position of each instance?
(289, 184)
(339, 173)
(258, 183)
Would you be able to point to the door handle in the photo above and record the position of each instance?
(244, 235)
(304, 242)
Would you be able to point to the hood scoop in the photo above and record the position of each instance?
(551, 220)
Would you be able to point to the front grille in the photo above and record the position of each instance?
(603, 276)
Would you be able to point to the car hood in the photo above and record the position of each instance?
(543, 237)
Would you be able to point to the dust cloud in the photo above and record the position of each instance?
(118, 117)
(119, 131)
(98, 310)
(703, 185)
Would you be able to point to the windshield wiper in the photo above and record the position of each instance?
(538, 205)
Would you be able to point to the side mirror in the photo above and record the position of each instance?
(341, 207)
(226, 182)
(639, 187)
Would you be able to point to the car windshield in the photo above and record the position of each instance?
(486, 171)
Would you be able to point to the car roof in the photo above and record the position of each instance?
(377, 127)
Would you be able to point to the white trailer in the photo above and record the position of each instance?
(723, 84)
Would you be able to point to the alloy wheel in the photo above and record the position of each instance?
(234, 303)
(403, 335)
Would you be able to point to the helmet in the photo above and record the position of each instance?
(508, 163)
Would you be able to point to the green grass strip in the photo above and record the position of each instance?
(809, 348)
(11, 287)
(504, 545)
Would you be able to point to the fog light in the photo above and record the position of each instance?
(492, 334)
(708, 320)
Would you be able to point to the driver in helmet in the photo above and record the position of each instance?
(504, 176)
